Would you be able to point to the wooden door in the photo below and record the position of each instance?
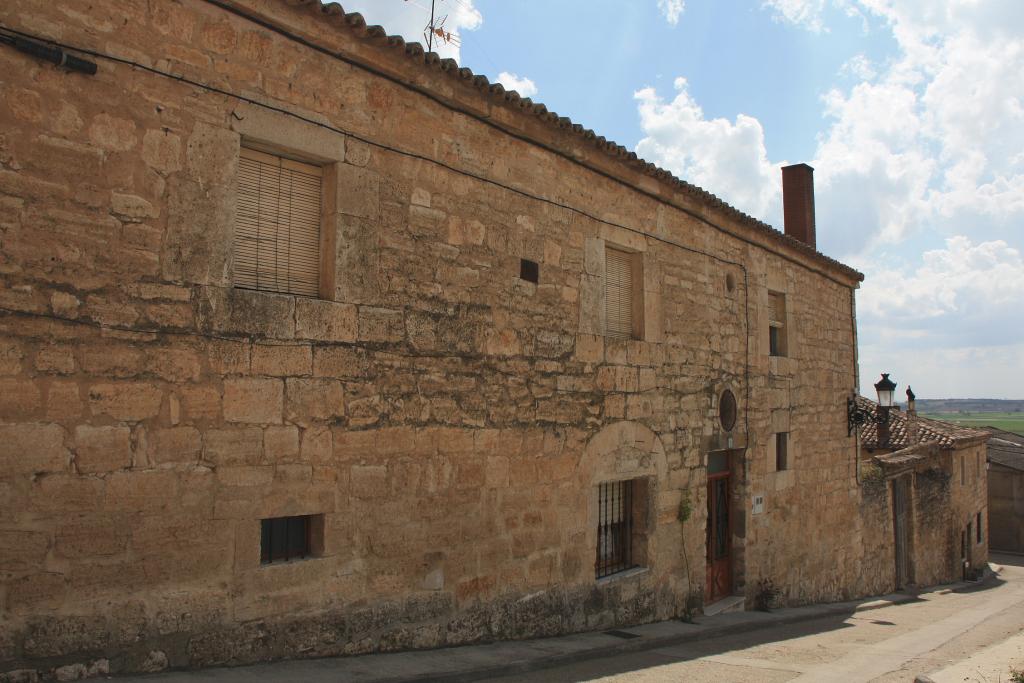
(719, 539)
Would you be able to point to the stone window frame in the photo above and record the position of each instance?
(284, 136)
(782, 462)
(635, 264)
(285, 157)
(778, 329)
(640, 523)
(592, 300)
(313, 538)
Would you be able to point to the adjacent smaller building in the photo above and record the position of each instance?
(1006, 490)
(932, 476)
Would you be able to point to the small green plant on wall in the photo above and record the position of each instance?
(1016, 675)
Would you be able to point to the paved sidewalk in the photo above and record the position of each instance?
(478, 662)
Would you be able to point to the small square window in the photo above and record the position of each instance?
(277, 224)
(289, 538)
(529, 270)
(781, 451)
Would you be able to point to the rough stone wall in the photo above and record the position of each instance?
(448, 420)
(1006, 508)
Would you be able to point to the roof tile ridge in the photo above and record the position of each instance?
(357, 22)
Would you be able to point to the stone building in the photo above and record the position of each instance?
(933, 484)
(312, 343)
(1005, 490)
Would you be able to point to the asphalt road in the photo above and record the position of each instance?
(970, 634)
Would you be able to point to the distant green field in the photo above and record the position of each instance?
(1011, 422)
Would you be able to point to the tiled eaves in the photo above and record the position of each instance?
(356, 24)
(944, 434)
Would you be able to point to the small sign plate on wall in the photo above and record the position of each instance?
(758, 505)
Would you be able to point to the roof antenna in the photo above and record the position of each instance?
(436, 28)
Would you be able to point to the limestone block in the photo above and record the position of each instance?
(66, 493)
(369, 481)
(314, 399)
(247, 475)
(589, 348)
(358, 192)
(19, 398)
(243, 311)
(37, 591)
(161, 150)
(30, 448)
(315, 143)
(113, 133)
(102, 449)
(281, 443)
(127, 401)
(181, 444)
(132, 208)
(253, 400)
(380, 324)
(201, 209)
(135, 490)
(11, 356)
(317, 445)
(201, 402)
(87, 537)
(282, 360)
(55, 359)
(22, 551)
(233, 446)
(325, 320)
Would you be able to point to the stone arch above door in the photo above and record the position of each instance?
(623, 450)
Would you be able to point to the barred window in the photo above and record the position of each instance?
(614, 527)
(277, 224)
(285, 538)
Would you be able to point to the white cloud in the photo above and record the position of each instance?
(948, 325)
(726, 158)
(859, 67)
(806, 13)
(524, 86)
(932, 141)
(409, 18)
(672, 9)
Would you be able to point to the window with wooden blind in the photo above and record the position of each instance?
(776, 324)
(277, 224)
(622, 291)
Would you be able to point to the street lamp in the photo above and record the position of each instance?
(885, 388)
(857, 416)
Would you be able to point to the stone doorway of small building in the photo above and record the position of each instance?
(901, 530)
(719, 528)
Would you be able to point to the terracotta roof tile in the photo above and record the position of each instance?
(355, 22)
(945, 434)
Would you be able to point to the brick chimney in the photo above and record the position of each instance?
(798, 203)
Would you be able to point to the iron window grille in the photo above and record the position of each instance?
(285, 538)
(614, 528)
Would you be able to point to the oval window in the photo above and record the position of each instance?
(727, 410)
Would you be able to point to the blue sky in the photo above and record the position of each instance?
(911, 112)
